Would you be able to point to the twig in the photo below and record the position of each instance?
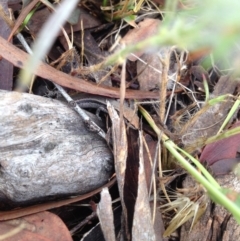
(92, 126)
(85, 221)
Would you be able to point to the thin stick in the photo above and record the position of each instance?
(92, 126)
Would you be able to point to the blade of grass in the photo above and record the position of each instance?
(234, 108)
(165, 138)
(205, 85)
(45, 40)
(223, 135)
(212, 187)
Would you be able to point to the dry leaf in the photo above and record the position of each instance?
(131, 176)
(44, 226)
(207, 121)
(221, 155)
(18, 57)
(149, 71)
(105, 214)
(143, 226)
(120, 156)
(94, 56)
(147, 28)
(222, 149)
(38, 19)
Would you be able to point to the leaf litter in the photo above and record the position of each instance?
(173, 76)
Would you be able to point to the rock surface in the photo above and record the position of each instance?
(46, 150)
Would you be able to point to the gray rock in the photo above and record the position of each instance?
(46, 150)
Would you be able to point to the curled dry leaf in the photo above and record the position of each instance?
(131, 175)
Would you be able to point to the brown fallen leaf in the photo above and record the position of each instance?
(131, 175)
(38, 19)
(209, 119)
(105, 214)
(148, 27)
(143, 227)
(149, 71)
(94, 56)
(222, 149)
(17, 57)
(44, 226)
(120, 156)
(221, 155)
(195, 56)
(137, 185)
(25, 11)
